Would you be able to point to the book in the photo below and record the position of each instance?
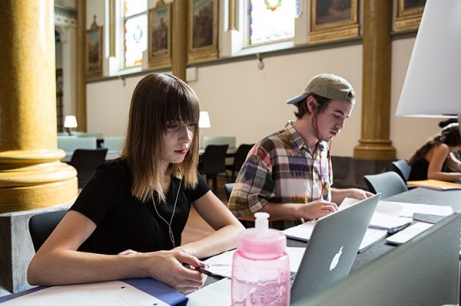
(304, 231)
(143, 291)
(387, 215)
(435, 184)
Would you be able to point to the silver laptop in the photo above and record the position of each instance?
(423, 271)
(332, 248)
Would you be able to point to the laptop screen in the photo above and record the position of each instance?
(332, 248)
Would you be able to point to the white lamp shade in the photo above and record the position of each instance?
(204, 121)
(432, 86)
(70, 122)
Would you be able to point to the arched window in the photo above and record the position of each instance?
(271, 21)
(135, 31)
(255, 26)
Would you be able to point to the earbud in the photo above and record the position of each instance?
(313, 106)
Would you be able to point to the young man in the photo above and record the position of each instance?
(288, 174)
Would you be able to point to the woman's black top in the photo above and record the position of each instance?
(124, 222)
(419, 170)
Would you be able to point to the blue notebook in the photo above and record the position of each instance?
(118, 293)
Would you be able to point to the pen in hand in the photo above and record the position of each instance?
(199, 269)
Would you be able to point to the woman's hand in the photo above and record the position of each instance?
(167, 267)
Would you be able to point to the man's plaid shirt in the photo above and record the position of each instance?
(281, 169)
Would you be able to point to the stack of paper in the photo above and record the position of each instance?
(388, 218)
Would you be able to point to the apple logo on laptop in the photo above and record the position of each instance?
(335, 260)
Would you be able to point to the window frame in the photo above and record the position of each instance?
(121, 36)
(247, 30)
(232, 40)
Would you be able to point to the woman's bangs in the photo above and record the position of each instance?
(185, 110)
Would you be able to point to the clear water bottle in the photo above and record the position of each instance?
(260, 266)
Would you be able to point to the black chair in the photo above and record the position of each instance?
(228, 189)
(214, 162)
(402, 167)
(85, 162)
(388, 183)
(239, 159)
(42, 225)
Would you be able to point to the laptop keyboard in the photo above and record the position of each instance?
(292, 277)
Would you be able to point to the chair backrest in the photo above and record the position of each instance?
(214, 159)
(218, 140)
(85, 162)
(228, 189)
(42, 225)
(387, 183)
(402, 167)
(240, 155)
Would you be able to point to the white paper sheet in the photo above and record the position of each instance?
(218, 293)
(408, 209)
(222, 264)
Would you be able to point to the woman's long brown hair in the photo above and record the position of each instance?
(157, 100)
(449, 135)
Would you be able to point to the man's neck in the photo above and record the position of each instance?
(304, 128)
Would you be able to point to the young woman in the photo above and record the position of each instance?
(454, 156)
(128, 219)
(435, 160)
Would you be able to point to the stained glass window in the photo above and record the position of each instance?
(135, 38)
(272, 20)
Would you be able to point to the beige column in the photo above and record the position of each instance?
(80, 73)
(376, 83)
(179, 45)
(232, 13)
(31, 174)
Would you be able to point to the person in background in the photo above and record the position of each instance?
(446, 122)
(455, 156)
(433, 159)
(128, 219)
(288, 174)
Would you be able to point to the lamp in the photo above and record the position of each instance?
(70, 122)
(433, 82)
(203, 123)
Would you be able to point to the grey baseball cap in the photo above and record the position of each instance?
(329, 86)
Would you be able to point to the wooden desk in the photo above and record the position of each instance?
(113, 155)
